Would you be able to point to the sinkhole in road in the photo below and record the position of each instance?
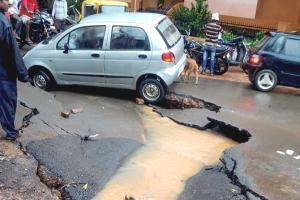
(180, 101)
(171, 154)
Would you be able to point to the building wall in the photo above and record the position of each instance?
(237, 8)
(283, 11)
(149, 4)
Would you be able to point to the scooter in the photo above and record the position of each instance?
(239, 51)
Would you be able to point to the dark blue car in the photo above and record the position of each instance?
(275, 61)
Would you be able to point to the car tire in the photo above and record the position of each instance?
(265, 80)
(152, 90)
(42, 80)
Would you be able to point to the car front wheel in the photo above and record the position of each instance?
(151, 90)
(265, 80)
(42, 80)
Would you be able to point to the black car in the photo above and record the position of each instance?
(275, 61)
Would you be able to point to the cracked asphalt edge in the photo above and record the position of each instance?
(39, 171)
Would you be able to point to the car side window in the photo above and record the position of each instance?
(278, 45)
(62, 42)
(129, 38)
(292, 48)
(87, 38)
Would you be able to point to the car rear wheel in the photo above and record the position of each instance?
(152, 90)
(42, 80)
(265, 80)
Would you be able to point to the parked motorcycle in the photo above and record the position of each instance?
(42, 27)
(230, 53)
(196, 50)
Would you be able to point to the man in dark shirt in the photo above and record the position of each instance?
(11, 68)
(212, 31)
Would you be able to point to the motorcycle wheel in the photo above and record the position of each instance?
(35, 36)
(221, 67)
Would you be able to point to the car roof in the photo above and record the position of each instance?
(295, 34)
(106, 2)
(129, 17)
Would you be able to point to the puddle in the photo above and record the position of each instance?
(172, 153)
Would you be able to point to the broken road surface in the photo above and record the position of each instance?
(127, 134)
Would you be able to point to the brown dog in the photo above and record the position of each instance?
(191, 66)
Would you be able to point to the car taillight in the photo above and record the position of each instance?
(168, 57)
(255, 59)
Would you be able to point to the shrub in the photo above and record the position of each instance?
(250, 42)
(193, 19)
(227, 36)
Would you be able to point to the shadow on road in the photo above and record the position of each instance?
(99, 91)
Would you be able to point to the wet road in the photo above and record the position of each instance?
(271, 118)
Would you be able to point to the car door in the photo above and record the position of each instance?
(79, 58)
(290, 59)
(129, 53)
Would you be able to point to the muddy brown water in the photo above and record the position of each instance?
(171, 154)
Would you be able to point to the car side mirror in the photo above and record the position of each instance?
(66, 48)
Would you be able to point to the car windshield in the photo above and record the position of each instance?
(52, 37)
(169, 32)
(112, 9)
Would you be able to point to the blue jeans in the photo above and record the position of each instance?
(212, 50)
(8, 105)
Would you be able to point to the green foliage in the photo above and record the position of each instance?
(250, 42)
(227, 36)
(253, 42)
(193, 19)
(160, 3)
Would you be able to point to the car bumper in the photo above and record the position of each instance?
(170, 74)
(251, 69)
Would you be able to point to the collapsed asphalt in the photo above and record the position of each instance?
(265, 116)
(94, 161)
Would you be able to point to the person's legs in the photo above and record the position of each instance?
(26, 21)
(58, 25)
(63, 25)
(212, 60)
(8, 104)
(204, 60)
(18, 25)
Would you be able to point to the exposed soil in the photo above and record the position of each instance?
(18, 179)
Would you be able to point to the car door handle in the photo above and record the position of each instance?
(95, 55)
(142, 56)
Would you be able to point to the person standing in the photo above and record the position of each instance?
(11, 68)
(212, 31)
(60, 13)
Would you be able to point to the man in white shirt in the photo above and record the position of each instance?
(14, 16)
(60, 13)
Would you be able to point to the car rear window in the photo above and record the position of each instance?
(169, 32)
(261, 43)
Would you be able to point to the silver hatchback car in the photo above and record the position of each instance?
(137, 51)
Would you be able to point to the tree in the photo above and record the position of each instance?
(193, 19)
